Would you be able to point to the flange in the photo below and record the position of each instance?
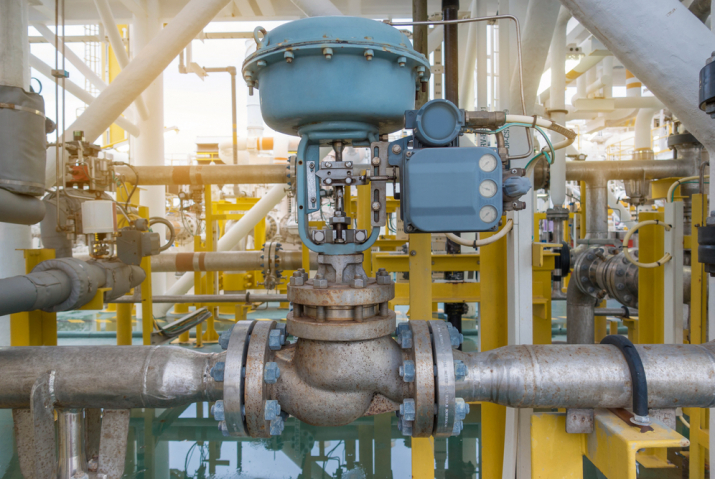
(445, 387)
(424, 388)
(371, 328)
(234, 382)
(256, 392)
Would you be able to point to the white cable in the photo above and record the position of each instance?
(549, 125)
(627, 253)
(477, 243)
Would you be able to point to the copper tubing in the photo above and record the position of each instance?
(206, 175)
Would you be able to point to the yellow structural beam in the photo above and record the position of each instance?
(613, 446)
(401, 263)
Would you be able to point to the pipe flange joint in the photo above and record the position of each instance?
(407, 415)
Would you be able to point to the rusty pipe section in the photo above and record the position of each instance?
(206, 175)
(327, 383)
(226, 261)
(109, 376)
(589, 376)
(602, 171)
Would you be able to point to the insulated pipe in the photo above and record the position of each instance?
(110, 28)
(20, 209)
(317, 8)
(589, 171)
(557, 110)
(110, 377)
(33, 291)
(644, 119)
(588, 376)
(229, 240)
(206, 175)
(579, 315)
(226, 261)
(541, 16)
(681, 38)
(80, 93)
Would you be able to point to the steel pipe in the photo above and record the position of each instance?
(589, 376)
(110, 377)
(208, 298)
(225, 261)
(579, 315)
(206, 175)
(590, 171)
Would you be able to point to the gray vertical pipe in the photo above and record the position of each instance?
(419, 41)
(597, 209)
(580, 323)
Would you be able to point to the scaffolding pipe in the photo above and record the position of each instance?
(206, 175)
(208, 298)
(226, 261)
(229, 240)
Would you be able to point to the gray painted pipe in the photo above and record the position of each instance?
(589, 376)
(579, 316)
(33, 291)
(20, 209)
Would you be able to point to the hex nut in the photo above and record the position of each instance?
(271, 373)
(455, 337)
(460, 370)
(224, 338)
(223, 428)
(408, 410)
(404, 339)
(272, 410)
(217, 411)
(276, 340)
(461, 409)
(407, 371)
(297, 281)
(217, 371)
(277, 426)
(357, 283)
(319, 282)
(384, 279)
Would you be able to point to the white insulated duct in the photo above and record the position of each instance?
(668, 62)
(435, 38)
(557, 105)
(237, 232)
(644, 119)
(538, 30)
(146, 66)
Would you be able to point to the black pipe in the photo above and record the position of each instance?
(635, 365)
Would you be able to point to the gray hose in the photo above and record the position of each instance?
(158, 219)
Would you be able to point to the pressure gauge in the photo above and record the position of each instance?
(488, 162)
(488, 188)
(488, 214)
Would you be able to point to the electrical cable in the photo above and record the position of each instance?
(638, 378)
(626, 251)
(669, 197)
(483, 242)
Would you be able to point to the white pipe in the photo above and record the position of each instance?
(481, 34)
(680, 38)
(505, 61)
(317, 8)
(538, 30)
(633, 85)
(644, 119)
(71, 56)
(558, 105)
(618, 103)
(110, 28)
(435, 38)
(607, 76)
(79, 92)
(141, 71)
(472, 51)
(229, 240)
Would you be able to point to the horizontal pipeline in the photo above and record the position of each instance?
(206, 175)
(589, 376)
(117, 377)
(226, 261)
(209, 298)
(629, 170)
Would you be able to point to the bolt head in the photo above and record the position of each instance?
(217, 372)
(627, 298)
(217, 411)
(271, 373)
(620, 286)
(455, 337)
(375, 206)
(328, 181)
(348, 181)
(413, 253)
(348, 164)
(461, 409)
(276, 339)
(271, 410)
(318, 236)
(590, 256)
(223, 428)
(384, 279)
(358, 283)
(396, 149)
(404, 338)
(297, 280)
(408, 410)
(224, 338)
(320, 283)
(360, 236)
(375, 161)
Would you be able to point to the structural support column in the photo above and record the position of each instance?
(148, 148)
(14, 71)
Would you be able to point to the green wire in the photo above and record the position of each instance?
(543, 153)
(672, 196)
(550, 159)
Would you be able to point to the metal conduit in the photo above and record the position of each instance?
(206, 175)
